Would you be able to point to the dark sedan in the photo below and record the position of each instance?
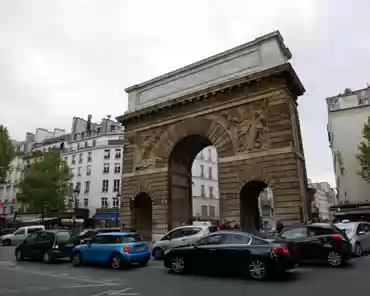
(318, 243)
(231, 251)
(46, 245)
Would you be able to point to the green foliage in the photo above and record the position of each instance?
(7, 153)
(364, 152)
(46, 183)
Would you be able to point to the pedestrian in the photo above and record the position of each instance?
(221, 226)
(279, 226)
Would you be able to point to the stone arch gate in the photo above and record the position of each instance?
(242, 101)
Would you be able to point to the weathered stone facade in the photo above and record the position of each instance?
(253, 123)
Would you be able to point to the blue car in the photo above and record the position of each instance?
(118, 249)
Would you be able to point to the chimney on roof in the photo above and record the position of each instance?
(88, 126)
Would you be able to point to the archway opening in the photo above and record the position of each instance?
(142, 215)
(256, 205)
(193, 181)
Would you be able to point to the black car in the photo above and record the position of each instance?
(46, 245)
(231, 251)
(91, 233)
(319, 242)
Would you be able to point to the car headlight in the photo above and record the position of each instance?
(166, 252)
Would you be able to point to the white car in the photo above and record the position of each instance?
(19, 235)
(182, 235)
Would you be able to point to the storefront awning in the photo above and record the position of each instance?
(106, 216)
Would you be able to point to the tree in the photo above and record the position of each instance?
(46, 183)
(364, 152)
(7, 153)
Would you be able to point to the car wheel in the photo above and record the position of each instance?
(335, 259)
(7, 242)
(257, 270)
(47, 258)
(116, 262)
(158, 254)
(358, 250)
(77, 259)
(19, 255)
(178, 264)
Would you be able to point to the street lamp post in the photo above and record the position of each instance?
(74, 199)
(118, 202)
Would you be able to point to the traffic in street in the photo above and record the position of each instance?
(38, 278)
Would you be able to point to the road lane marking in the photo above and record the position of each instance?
(123, 292)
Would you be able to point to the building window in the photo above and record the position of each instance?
(209, 155)
(202, 171)
(112, 128)
(364, 101)
(204, 211)
(116, 185)
(202, 191)
(80, 158)
(201, 155)
(106, 168)
(98, 130)
(72, 172)
(82, 135)
(211, 194)
(66, 159)
(94, 143)
(78, 187)
(106, 154)
(79, 171)
(210, 173)
(86, 144)
(104, 202)
(212, 211)
(115, 202)
(86, 202)
(87, 186)
(117, 154)
(78, 146)
(88, 170)
(89, 156)
(73, 159)
(117, 168)
(105, 186)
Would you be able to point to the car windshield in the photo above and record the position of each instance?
(348, 228)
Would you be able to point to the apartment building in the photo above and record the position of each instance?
(205, 184)
(347, 113)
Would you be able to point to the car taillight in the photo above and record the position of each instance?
(280, 250)
(148, 245)
(338, 237)
(126, 249)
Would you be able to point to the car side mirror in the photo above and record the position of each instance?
(361, 233)
(195, 245)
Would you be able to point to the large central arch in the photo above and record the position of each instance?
(243, 102)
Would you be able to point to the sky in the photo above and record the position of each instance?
(60, 59)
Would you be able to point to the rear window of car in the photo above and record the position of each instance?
(63, 237)
(188, 231)
(107, 230)
(212, 229)
(132, 238)
(30, 230)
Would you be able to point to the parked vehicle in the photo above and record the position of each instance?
(19, 235)
(318, 242)
(115, 248)
(91, 233)
(47, 245)
(359, 235)
(182, 235)
(231, 251)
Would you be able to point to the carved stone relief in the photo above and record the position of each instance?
(248, 126)
(144, 157)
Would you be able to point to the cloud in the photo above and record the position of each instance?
(60, 59)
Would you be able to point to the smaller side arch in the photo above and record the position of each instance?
(141, 207)
(254, 172)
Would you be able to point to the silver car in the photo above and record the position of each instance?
(19, 235)
(358, 234)
(182, 235)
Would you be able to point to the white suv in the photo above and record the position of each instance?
(20, 234)
(182, 235)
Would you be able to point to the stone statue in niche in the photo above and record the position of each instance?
(144, 144)
(248, 126)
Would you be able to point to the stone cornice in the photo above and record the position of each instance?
(294, 84)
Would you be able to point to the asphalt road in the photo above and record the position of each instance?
(37, 278)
